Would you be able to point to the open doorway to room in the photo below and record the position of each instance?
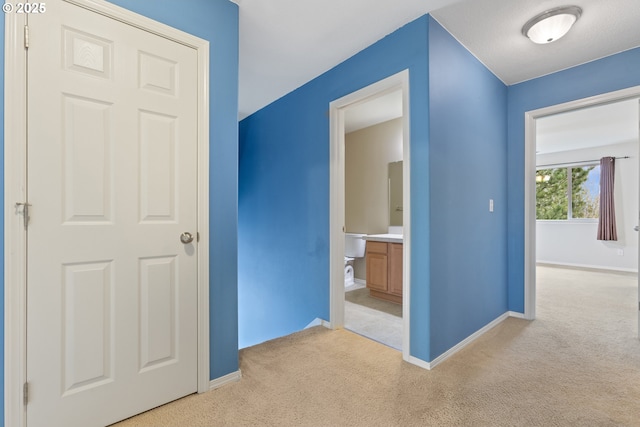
(373, 210)
(572, 273)
(370, 212)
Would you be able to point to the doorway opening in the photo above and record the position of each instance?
(601, 126)
(363, 114)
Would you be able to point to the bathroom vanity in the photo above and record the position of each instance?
(384, 266)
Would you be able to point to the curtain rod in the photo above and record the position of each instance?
(582, 162)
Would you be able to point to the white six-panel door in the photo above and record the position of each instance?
(112, 179)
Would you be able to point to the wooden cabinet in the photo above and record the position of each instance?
(384, 270)
(395, 268)
(377, 266)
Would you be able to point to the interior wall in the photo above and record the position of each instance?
(458, 162)
(217, 22)
(284, 237)
(574, 243)
(368, 153)
(468, 168)
(605, 75)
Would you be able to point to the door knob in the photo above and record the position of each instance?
(637, 228)
(186, 237)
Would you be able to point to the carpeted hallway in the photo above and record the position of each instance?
(578, 364)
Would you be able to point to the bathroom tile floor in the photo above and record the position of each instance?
(373, 324)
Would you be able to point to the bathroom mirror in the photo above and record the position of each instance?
(395, 193)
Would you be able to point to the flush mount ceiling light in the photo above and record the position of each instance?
(549, 26)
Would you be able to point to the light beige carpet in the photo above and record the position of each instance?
(578, 364)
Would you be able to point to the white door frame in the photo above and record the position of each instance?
(530, 184)
(15, 168)
(337, 109)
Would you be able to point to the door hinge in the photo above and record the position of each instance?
(25, 213)
(197, 236)
(26, 37)
(25, 393)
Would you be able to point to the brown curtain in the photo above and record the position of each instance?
(607, 220)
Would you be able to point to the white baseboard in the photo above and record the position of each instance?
(227, 379)
(419, 363)
(318, 322)
(585, 267)
(360, 282)
(515, 314)
(462, 344)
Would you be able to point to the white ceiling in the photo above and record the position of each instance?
(605, 27)
(589, 127)
(286, 43)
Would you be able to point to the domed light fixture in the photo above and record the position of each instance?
(549, 26)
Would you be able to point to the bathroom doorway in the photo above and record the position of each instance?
(370, 146)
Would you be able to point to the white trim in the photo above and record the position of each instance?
(336, 217)
(141, 22)
(233, 377)
(15, 324)
(15, 187)
(462, 344)
(337, 110)
(419, 363)
(465, 342)
(318, 322)
(360, 282)
(515, 314)
(530, 118)
(587, 267)
(406, 218)
(529, 220)
(204, 335)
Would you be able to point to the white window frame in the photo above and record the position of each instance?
(569, 193)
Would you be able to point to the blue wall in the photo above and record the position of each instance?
(283, 234)
(605, 75)
(217, 22)
(457, 119)
(468, 140)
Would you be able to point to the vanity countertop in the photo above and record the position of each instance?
(391, 238)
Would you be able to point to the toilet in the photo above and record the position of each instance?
(354, 247)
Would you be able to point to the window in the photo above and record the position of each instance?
(568, 193)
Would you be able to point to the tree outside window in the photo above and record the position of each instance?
(568, 193)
